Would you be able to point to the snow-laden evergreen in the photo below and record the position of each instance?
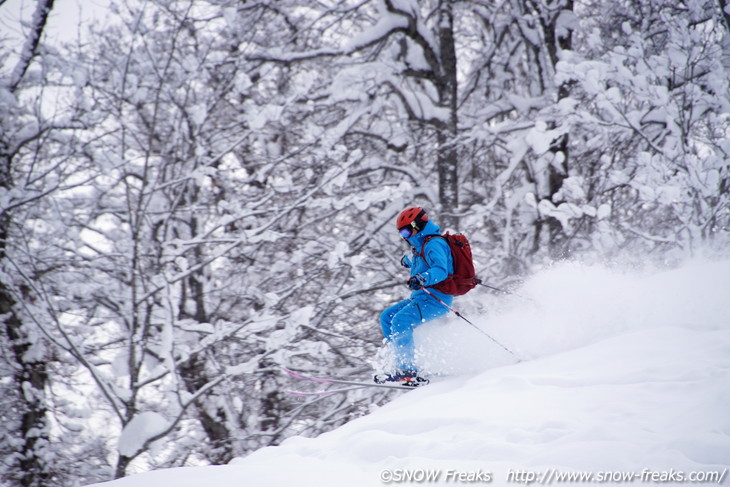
(623, 372)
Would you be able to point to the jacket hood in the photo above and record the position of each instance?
(416, 240)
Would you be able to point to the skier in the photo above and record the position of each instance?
(430, 262)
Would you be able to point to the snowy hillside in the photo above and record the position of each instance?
(625, 374)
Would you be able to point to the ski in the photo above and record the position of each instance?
(327, 380)
(324, 393)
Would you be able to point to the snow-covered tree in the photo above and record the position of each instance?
(650, 118)
(182, 288)
(32, 165)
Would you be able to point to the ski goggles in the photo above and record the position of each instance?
(407, 232)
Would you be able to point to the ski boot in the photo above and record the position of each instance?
(408, 378)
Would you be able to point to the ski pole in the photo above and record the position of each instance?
(472, 324)
(503, 291)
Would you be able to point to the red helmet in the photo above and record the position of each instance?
(413, 217)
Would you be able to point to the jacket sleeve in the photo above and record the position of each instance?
(439, 261)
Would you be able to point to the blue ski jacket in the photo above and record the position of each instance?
(438, 262)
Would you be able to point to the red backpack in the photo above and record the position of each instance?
(464, 278)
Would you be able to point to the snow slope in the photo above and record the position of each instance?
(625, 374)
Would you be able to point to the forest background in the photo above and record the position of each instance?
(196, 193)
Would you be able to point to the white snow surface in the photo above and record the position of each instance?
(623, 372)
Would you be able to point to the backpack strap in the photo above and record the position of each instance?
(427, 239)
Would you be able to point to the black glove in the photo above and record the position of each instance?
(416, 282)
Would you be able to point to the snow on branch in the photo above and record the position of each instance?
(418, 106)
(385, 26)
(147, 427)
(392, 20)
(30, 47)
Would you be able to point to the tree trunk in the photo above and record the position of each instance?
(557, 38)
(30, 370)
(725, 12)
(122, 464)
(448, 162)
(30, 374)
(558, 172)
(214, 421)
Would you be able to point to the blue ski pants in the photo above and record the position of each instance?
(399, 321)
